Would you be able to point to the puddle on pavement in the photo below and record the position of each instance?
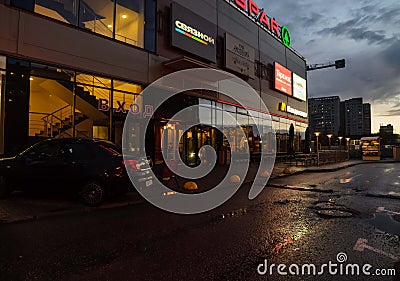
(282, 202)
(302, 188)
(388, 170)
(348, 180)
(333, 213)
(330, 210)
(286, 201)
(343, 181)
(386, 223)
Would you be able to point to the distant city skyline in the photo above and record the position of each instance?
(330, 115)
(365, 33)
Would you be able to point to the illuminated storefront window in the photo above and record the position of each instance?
(64, 103)
(129, 21)
(210, 114)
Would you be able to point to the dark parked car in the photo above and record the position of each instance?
(92, 169)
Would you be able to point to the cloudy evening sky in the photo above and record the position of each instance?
(365, 33)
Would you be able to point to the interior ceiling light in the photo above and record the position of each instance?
(124, 16)
(109, 26)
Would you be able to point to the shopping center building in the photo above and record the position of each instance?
(77, 67)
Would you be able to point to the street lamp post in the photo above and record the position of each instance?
(329, 140)
(340, 143)
(347, 143)
(317, 135)
(348, 148)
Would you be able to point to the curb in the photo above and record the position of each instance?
(327, 170)
(299, 188)
(386, 196)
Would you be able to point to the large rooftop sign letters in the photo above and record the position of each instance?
(258, 15)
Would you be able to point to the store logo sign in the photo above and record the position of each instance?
(281, 76)
(134, 108)
(239, 56)
(282, 107)
(299, 87)
(193, 33)
(283, 79)
(286, 108)
(259, 16)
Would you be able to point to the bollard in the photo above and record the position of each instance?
(190, 185)
(235, 179)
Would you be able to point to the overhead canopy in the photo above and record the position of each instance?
(184, 63)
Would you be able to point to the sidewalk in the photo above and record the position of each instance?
(280, 170)
(21, 208)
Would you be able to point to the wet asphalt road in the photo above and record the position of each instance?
(282, 225)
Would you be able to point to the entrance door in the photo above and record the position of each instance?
(194, 139)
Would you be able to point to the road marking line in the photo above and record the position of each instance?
(349, 179)
(288, 240)
(361, 244)
(382, 209)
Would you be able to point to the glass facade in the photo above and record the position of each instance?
(130, 21)
(49, 102)
(216, 125)
(96, 16)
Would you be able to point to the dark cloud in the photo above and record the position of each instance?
(368, 9)
(391, 55)
(349, 29)
(312, 20)
(389, 14)
(364, 32)
(372, 75)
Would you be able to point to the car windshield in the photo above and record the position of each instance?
(32, 148)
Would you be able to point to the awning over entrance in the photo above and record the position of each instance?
(182, 63)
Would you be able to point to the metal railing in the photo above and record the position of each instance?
(45, 124)
(53, 124)
(88, 84)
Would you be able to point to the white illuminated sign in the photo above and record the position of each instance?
(299, 87)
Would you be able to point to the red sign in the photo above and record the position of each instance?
(283, 79)
(259, 15)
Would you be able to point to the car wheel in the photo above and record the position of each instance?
(3, 188)
(92, 194)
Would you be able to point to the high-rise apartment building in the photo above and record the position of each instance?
(353, 117)
(329, 115)
(367, 119)
(324, 114)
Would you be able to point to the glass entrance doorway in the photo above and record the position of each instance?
(193, 140)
